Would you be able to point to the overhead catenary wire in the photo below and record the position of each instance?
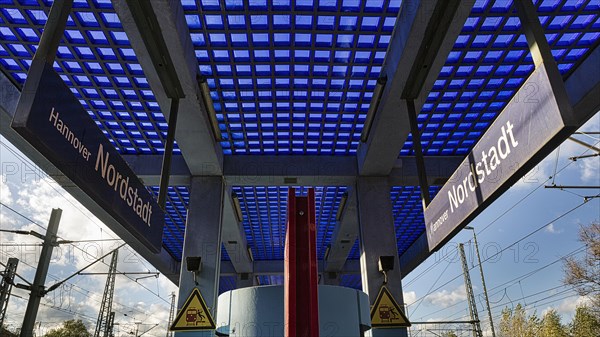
(507, 247)
(533, 303)
(23, 216)
(434, 283)
(517, 280)
(513, 281)
(17, 275)
(508, 210)
(87, 253)
(91, 294)
(26, 161)
(85, 292)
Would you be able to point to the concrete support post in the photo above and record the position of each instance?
(378, 238)
(203, 239)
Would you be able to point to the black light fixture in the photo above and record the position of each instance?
(210, 109)
(340, 210)
(250, 256)
(194, 265)
(386, 263)
(327, 250)
(237, 207)
(375, 100)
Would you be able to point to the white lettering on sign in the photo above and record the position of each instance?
(118, 182)
(68, 134)
(439, 221)
(114, 179)
(482, 169)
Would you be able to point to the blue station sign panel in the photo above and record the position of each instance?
(528, 129)
(51, 118)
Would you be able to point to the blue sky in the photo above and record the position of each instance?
(527, 206)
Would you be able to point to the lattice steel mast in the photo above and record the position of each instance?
(6, 284)
(470, 295)
(171, 315)
(104, 325)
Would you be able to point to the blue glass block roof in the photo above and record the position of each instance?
(224, 254)
(291, 77)
(178, 198)
(351, 281)
(488, 64)
(227, 283)
(264, 212)
(96, 61)
(409, 222)
(354, 253)
(273, 280)
(408, 214)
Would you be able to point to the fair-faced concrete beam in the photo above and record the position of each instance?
(194, 136)
(344, 235)
(289, 170)
(414, 38)
(148, 169)
(275, 267)
(294, 171)
(234, 237)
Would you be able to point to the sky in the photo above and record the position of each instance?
(519, 267)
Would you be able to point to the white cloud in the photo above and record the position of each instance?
(5, 193)
(550, 229)
(409, 297)
(445, 298)
(567, 306)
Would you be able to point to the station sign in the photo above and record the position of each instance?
(528, 129)
(54, 122)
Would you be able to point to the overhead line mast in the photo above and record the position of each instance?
(104, 325)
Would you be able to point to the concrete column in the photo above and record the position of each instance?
(378, 238)
(203, 238)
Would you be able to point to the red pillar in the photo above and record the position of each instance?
(300, 271)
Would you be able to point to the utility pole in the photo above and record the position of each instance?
(485, 293)
(171, 315)
(470, 296)
(6, 284)
(104, 324)
(37, 288)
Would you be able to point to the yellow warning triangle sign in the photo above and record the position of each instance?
(386, 313)
(194, 315)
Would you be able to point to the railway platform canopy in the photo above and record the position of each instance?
(407, 117)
